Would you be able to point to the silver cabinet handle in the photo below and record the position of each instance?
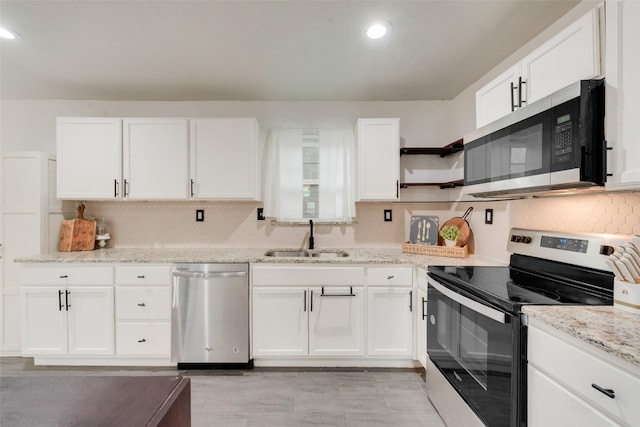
(142, 340)
(411, 301)
(140, 277)
(482, 309)
(606, 391)
(141, 304)
(424, 311)
(212, 275)
(390, 277)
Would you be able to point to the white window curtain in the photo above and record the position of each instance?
(283, 178)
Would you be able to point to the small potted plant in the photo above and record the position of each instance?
(450, 234)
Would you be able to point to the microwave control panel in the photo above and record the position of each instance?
(563, 139)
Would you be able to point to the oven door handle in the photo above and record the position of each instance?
(489, 312)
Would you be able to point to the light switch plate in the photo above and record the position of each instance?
(199, 215)
(488, 216)
(387, 215)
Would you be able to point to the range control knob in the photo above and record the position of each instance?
(516, 238)
(526, 239)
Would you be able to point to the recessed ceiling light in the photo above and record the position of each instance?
(378, 30)
(7, 34)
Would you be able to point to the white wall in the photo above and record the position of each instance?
(30, 124)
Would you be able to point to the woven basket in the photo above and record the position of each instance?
(451, 252)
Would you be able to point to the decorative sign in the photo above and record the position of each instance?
(424, 230)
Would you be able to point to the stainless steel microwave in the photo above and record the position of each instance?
(555, 144)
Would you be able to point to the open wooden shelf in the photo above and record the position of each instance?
(442, 185)
(454, 147)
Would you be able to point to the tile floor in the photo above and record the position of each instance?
(283, 397)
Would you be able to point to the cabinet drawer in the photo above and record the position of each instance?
(149, 302)
(142, 275)
(577, 370)
(143, 339)
(302, 275)
(63, 275)
(386, 276)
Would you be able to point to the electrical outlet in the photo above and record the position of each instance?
(199, 215)
(488, 216)
(260, 214)
(387, 215)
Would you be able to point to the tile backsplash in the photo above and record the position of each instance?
(234, 224)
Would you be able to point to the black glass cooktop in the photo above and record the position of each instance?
(512, 287)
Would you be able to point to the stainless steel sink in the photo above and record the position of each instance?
(303, 253)
(329, 254)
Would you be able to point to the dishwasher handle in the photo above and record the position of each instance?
(210, 275)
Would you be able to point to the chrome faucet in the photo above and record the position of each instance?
(311, 234)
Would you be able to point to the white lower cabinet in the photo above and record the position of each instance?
(143, 311)
(314, 321)
(421, 327)
(67, 310)
(573, 383)
(280, 322)
(389, 321)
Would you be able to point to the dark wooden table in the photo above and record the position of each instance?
(93, 401)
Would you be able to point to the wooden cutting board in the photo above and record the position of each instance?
(77, 234)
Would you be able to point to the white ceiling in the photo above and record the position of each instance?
(259, 50)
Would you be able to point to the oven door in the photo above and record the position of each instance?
(477, 349)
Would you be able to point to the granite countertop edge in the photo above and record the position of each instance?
(614, 331)
(252, 255)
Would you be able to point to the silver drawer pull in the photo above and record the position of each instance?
(142, 340)
(390, 277)
(140, 277)
(141, 304)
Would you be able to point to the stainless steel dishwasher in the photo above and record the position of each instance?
(210, 315)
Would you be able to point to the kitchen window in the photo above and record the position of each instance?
(310, 174)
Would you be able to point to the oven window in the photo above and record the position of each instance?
(474, 347)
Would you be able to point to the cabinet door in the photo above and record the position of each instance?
(91, 319)
(378, 158)
(44, 320)
(550, 404)
(421, 322)
(155, 159)
(89, 153)
(336, 321)
(497, 98)
(280, 321)
(389, 312)
(224, 159)
(571, 55)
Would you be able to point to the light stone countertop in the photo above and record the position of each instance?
(254, 255)
(605, 327)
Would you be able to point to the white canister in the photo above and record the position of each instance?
(626, 296)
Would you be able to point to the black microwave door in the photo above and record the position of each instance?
(522, 149)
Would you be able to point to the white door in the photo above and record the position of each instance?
(280, 321)
(378, 159)
(336, 321)
(224, 158)
(498, 98)
(44, 320)
(570, 56)
(421, 322)
(89, 158)
(91, 319)
(155, 159)
(389, 312)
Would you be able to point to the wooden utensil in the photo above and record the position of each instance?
(77, 234)
(462, 224)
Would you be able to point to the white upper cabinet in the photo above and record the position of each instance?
(499, 97)
(225, 159)
(571, 55)
(622, 93)
(89, 153)
(155, 159)
(378, 159)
